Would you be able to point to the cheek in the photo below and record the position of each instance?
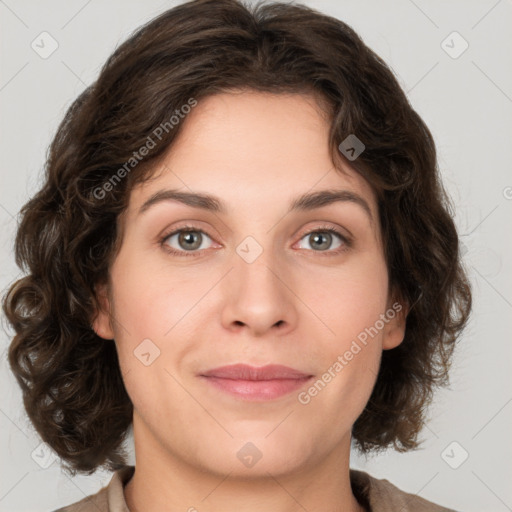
(153, 308)
(349, 351)
(349, 302)
(348, 299)
(151, 298)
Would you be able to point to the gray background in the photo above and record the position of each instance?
(466, 102)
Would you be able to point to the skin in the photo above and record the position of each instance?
(295, 305)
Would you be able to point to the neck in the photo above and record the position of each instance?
(163, 481)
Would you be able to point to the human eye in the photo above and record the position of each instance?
(191, 241)
(188, 241)
(323, 239)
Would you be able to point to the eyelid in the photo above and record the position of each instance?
(176, 230)
(346, 240)
(323, 226)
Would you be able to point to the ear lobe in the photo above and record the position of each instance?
(394, 331)
(101, 323)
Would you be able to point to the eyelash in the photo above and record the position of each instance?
(322, 229)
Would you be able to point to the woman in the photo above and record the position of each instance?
(243, 250)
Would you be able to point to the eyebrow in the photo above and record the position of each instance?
(305, 202)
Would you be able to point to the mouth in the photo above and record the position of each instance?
(256, 383)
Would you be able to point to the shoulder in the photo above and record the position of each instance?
(383, 496)
(108, 499)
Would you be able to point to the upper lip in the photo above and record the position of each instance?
(246, 372)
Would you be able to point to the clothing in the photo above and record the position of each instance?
(377, 495)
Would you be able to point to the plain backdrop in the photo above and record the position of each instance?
(465, 97)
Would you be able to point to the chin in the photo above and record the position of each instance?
(257, 456)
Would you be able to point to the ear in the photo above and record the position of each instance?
(101, 323)
(394, 330)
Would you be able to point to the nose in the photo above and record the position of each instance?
(258, 297)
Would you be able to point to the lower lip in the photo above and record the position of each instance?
(258, 390)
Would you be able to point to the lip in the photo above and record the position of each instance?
(256, 383)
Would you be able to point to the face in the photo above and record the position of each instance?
(248, 279)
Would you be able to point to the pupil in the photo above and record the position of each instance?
(188, 238)
(318, 237)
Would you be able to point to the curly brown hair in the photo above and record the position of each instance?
(72, 385)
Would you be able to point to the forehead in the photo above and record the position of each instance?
(254, 148)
